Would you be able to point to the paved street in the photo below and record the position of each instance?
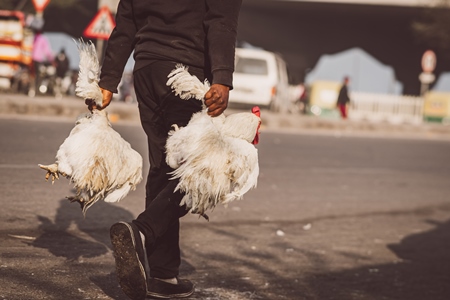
(333, 217)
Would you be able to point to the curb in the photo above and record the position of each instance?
(119, 112)
(67, 107)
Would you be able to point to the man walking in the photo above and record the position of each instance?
(200, 34)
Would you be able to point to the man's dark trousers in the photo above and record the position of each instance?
(159, 109)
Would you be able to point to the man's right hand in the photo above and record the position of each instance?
(107, 97)
(216, 99)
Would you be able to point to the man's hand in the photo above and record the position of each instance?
(216, 99)
(107, 97)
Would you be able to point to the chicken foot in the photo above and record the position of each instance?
(52, 170)
(84, 204)
(76, 198)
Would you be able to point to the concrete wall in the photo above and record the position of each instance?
(304, 31)
(378, 2)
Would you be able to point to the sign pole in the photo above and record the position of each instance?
(423, 88)
(100, 43)
(39, 6)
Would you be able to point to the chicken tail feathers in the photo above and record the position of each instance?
(185, 85)
(88, 76)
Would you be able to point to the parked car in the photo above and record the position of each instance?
(261, 79)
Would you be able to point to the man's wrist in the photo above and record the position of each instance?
(223, 77)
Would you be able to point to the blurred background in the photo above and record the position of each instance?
(292, 56)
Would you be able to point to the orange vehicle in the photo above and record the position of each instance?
(16, 43)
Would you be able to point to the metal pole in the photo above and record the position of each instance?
(100, 44)
(112, 5)
(424, 88)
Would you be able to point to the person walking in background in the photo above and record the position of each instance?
(202, 36)
(61, 63)
(42, 54)
(343, 98)
(303, 98)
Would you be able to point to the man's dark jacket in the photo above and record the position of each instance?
(198, 33)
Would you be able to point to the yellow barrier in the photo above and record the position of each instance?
(437, 106)
(323, 97)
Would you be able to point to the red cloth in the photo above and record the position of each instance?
(343, 109)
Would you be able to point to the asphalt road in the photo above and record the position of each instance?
(333, 217)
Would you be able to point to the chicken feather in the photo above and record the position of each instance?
(87, 82)
(214, 158)
(186, 85)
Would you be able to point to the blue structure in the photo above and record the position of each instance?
(366, 73)
(443, 83)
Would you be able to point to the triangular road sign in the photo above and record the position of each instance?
(101, 26)
(39, 5)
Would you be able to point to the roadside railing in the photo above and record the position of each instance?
(395, 109)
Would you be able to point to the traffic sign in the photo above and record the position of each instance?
(101, 26)
(39, 5)
(428, 61)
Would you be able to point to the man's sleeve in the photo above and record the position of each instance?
(221, 23)
(119, 48)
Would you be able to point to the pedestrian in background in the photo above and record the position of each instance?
(343, 98)
(162, 33)
(61, 63)
(42, 54)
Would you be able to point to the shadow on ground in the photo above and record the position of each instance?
(421, 272)
(71, 235)
(220, 271)
(77, 238)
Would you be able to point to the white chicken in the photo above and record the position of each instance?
(94, 157)
(214, 159)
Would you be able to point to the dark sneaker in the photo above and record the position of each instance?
(163, 290)
(129, 253)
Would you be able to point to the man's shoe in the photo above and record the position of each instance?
(163, 290)
(129, 254)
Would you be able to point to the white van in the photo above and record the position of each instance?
(260, 78)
